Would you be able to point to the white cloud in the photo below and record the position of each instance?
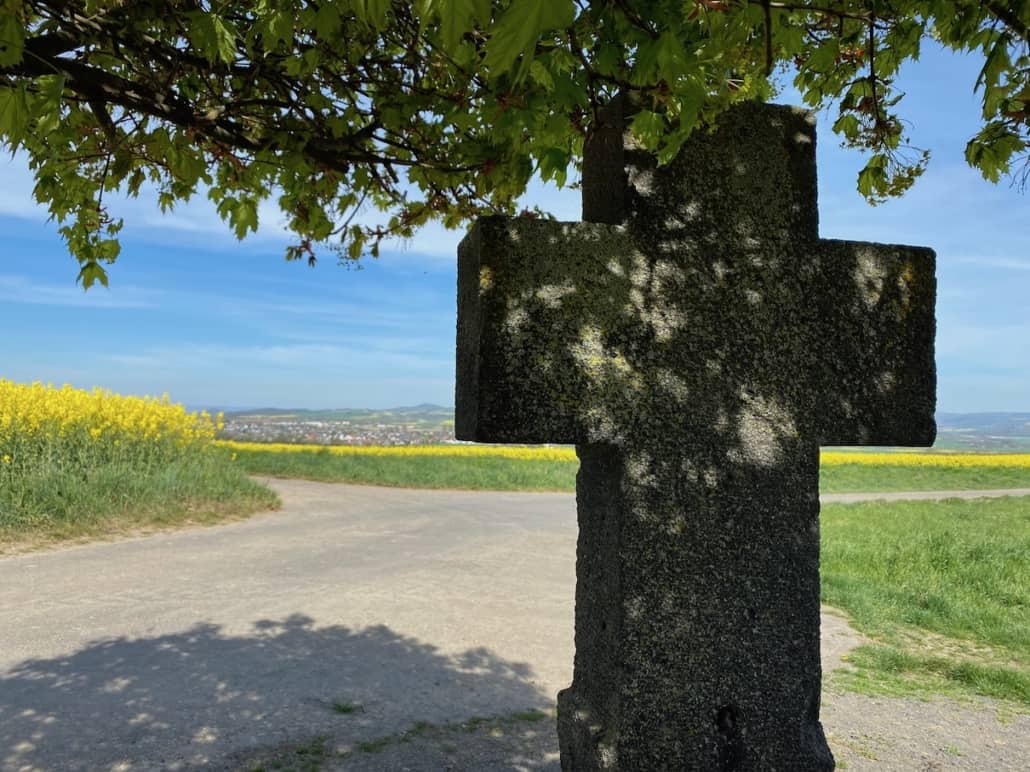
(143, 217)
(18, 289)
(298, 317)
(16, 199)
(1003, 263)
(299, 375)
(197, 220)
(436, 242)
(137, 361)
(323, 358)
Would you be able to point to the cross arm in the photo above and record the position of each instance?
(532, 298)
(876, 373)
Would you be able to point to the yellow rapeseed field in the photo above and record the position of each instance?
(42, 426)
(939, 459)
(531, 453)
(547, 453)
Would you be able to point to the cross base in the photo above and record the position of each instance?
(697, 612)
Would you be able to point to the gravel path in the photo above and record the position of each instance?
(379, 620)
(854, 498)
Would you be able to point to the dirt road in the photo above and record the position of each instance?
(352, 615)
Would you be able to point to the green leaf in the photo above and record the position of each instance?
(647, 127)
(692, 95)
(14, 113)
(356, 243)
(12, 40)
(47, 105)
(872, 180)
(373, 12)
(860, 88)
(866, 182)
(327, 21)
(847, 125)
(554, 164)
(541, 75)
(278, 30)
(244, 216)
(607, 58)
(225, 39)
(90, 273)
(669, 56)
(824, 58)
(518, 30)
(51, 89)
(458, 17)
(121, 165)
(991, 150)
(108, 250)
(200, 33)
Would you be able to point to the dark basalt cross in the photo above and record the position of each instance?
(698, 342)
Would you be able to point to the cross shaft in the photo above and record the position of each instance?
(697, 346)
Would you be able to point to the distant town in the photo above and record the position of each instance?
(433, 424)
(419, 425)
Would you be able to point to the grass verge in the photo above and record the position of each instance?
(863, 478)
(498, 473)
(46, 507)
(469, 473)
(944, 590)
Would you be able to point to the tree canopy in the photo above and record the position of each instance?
(445, 109)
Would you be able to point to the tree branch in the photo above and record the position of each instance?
(98, 87)
(1008, 17)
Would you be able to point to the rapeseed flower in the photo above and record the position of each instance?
(524, 453)
(567, 454)
(42, 426)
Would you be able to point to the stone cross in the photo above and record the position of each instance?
(698, 342)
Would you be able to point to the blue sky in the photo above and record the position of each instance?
(219, 323)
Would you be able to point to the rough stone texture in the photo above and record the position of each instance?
(698, 352)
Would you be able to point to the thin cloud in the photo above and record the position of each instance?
(1003, 263)
(318, 357)
(300, 316)
(18, 289)
(16, 199)
(143, 217)
(197, 218)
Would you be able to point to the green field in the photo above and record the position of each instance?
(78, 464)
(942, 587)
(490, 473)
(461, 472)
(860, 478)
(55, 504)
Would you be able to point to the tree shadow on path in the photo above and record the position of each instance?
(203, 697)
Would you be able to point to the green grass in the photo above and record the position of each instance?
(486, 473)
(374, 746)
(859, 478)
(345, 708)
(942, 587)
(309, 756)
(45, 507)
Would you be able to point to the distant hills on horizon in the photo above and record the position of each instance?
(423, 407)
(999, 430)
(995, 430)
